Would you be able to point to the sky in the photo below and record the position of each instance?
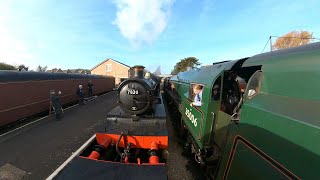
(80, 34)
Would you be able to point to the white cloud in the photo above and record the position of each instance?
(142, 21)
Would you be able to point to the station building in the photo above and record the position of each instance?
(111, 67)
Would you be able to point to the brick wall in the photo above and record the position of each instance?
(116, 70)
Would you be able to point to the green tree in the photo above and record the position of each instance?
(184, 64)
(293, 39)
(42, 68)
(4, 66)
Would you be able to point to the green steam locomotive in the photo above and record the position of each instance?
(259, 117)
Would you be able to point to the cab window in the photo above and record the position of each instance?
(254, 85)
(216, 90)
(195, 93)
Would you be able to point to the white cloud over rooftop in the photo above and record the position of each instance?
(142, 21)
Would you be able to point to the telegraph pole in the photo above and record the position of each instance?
(270, 44)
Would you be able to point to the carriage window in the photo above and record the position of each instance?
(254, 85)
(216, 90)
(195, 94)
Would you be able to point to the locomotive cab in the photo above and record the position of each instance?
(253, 122)
(223, 87)
(231, 93)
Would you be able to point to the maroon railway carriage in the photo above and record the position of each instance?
(23, 94)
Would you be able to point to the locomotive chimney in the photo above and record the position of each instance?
(138, 71)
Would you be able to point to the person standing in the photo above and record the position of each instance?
(90, 87)
(80, 95)
(56, 104)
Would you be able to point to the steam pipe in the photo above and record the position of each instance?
(117, 145)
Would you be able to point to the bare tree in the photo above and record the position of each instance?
(41, 68)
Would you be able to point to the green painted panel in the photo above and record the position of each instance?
(248, 164)
(291, 72)
(299, 78)
(294, 119)
(292, 159)
(212, 115)
(221, 128)
(193, 118)
(291, 143)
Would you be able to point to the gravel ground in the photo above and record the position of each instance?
(180, 166)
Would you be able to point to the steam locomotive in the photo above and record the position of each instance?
(137, 94)
(133, 144)
(265, 127)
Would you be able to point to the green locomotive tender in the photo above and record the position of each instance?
(266, 127)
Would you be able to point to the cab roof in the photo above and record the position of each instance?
(207, 74)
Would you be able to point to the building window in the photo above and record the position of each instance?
(109, 67)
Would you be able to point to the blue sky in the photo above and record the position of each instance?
(81, 34)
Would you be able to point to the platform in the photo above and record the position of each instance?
(37, 150)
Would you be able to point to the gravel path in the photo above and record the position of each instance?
(180, 166)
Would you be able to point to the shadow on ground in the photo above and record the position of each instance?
(181, 166)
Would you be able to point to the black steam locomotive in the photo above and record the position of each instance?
(133, 142)
(138, 94)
